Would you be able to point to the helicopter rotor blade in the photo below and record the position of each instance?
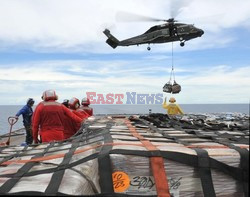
(177, 6)
(122, 16)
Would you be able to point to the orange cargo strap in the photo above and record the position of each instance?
(55, 156)
(157, 164)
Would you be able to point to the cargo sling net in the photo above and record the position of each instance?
(117, 156)
(172, 87)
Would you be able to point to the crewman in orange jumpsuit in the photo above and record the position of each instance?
(48, 118)
(85, 106)
(172, 108)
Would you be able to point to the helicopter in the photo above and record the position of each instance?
(170, 31)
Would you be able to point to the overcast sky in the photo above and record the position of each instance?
(59, 44)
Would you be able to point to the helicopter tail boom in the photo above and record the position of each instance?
(112, 41)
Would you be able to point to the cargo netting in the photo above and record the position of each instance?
(132, 156)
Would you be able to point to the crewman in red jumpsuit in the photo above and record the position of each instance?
(71, 127)
(48, 118)
(85, 106)
(74, 105)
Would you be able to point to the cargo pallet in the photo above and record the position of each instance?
(130, 156)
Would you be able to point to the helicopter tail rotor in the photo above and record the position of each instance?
(111, 41)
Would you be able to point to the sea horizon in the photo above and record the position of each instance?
(10, 110)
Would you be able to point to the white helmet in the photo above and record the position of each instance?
(172, 100)
(74, 103)
(85, 101)
(49, 95)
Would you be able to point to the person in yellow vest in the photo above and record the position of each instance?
(172, 108)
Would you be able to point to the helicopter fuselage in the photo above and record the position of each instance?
(162, 34)
(168, 32)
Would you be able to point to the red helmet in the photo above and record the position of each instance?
(74, 103)
(85, 101)
(49, 95)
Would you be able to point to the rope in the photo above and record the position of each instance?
(173, 60)
(172, 70)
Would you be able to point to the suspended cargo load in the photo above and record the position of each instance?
(176, 88)
(170, 87)
(167, 87)
(121, 156)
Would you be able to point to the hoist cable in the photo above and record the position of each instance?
(173, 60)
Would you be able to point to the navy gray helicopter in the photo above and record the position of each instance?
(170, 31)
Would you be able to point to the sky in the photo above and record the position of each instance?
(60, 45)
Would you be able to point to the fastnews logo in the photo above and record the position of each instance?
(128, 98)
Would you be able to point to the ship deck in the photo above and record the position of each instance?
(151, 155)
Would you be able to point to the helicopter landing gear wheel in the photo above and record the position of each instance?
(182, 44)
(148, 48)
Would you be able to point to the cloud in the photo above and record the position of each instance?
(222, 75)
(71, 56)
(64, 25)
(219, 83)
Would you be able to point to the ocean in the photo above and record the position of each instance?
(10, 110)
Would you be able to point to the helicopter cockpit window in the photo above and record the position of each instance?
(192, 29)
(183, 28)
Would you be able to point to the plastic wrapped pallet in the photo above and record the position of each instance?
(183, 180)
(115, 156)
(80, 179)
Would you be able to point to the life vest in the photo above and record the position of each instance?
(87, 109)
(70, 127)
(81, 114)
(172, 108)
